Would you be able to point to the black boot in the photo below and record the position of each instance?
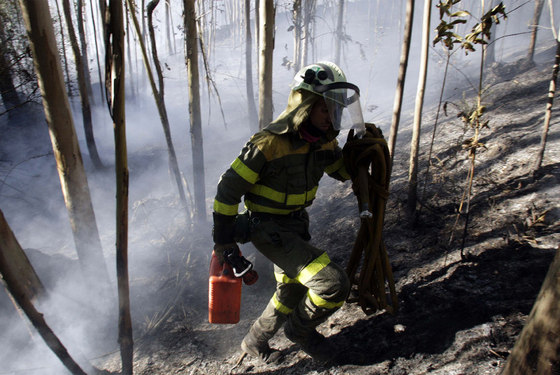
(260, 349)
(313, 343)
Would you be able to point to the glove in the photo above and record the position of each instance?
(241, 267)
(219, 250)
(224, 229)
(355, 150)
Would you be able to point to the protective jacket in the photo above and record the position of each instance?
(278, 172)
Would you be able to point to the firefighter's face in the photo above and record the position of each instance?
(319, 116)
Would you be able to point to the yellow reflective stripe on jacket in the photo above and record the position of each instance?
(303, 198)
(244, 171)
(313, 268)
(269, 193)
(277, 196)
(283, 278)
(225, 209)
(269, 210)
(344, 173)
(334, 166)
(320, 302)
(280, 306)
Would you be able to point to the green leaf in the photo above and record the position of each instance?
(461, 13)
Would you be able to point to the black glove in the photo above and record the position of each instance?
(224, 229)
(355, 150)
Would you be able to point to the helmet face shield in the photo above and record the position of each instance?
(343, 103)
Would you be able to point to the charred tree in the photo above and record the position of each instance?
(66, 149)
(14, 261)
(18, 276)
(537, 350)
(251, 108)
(266, 49)
(115, 94)
(82, 87)
(191, 60)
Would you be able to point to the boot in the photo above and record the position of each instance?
(313, 344)
(260, 349)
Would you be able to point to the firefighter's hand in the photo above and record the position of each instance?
(355, 153)
(219, 250)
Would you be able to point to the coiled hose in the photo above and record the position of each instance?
(368, 159)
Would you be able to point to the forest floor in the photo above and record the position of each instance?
(457, 315)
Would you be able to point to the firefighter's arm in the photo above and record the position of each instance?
(234, 183)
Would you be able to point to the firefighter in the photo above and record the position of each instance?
(277, 174)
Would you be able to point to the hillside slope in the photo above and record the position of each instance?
(456, 316)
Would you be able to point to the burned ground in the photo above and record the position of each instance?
(458, 314)
(460, 310)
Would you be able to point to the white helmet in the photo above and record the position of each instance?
(329, 81)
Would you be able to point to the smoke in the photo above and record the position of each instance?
(159, 233)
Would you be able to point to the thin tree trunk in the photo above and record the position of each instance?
(548, 111)
(8, 92)
(115, 89)
(67, 153)
(297, 18)
(191, 60)
(86, 109)
(63, 42)
(83, 46)
(306, 39)
(131, 71)
(13, 260)
(490, 47)
(535, 27)
(251, 108)
(397, 105)
(17, 286)
(168, 26)
(173, 164)
(415, 142)
(537, 350)
(258, 29)
(97, 54)
(339, 32)
(267, 13)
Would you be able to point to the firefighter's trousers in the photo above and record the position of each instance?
(310, 287)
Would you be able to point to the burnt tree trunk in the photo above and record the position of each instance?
(537, 350)
(82, 87)
(66, 149)
(115, 93)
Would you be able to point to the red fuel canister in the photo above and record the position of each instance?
(224, 293)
